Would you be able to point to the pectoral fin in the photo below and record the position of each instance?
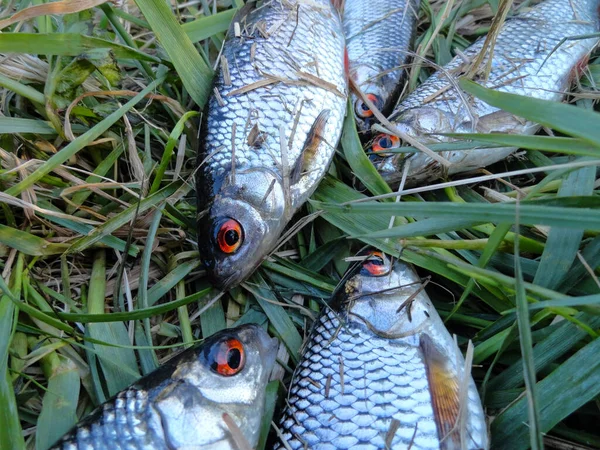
(309, 150)
(445, 399)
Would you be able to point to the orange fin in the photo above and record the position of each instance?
(309, 150)
(445, 396)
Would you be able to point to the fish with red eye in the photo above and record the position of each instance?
(385, 142)
(230, 236)
(226, 357)
(376, 265)
(362, 110)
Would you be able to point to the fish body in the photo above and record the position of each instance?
(270, 130)
(382, 372)
(181, 404)
(525, 62)
(379, 34)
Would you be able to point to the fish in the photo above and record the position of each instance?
(183, 403)
(380, 370)
(269, 131)
(379, 36)
(527, 60)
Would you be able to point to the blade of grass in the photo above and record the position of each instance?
(118, 364)
(570, 386)
(191, 67)
(28, 243)
(123, 218)
(66, 44)
(562, 244)
(565, 118)
(59, 405)
(526, 344)
(529, 214)
(205, 27)
(10, 431)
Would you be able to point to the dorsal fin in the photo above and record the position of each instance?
(445, 396)
(309, 149)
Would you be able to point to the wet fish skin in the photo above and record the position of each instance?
(379, 35)
(518, 67)
(180, 405)
(377, 358)
(270, 133)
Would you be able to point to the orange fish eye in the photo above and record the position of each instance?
(230, 236)
(376, 265)
(362, 109)
(226, 357)
(385, 142)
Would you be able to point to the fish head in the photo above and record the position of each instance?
(424, 124)
(363, 114)
(387, 296)
(226, 374)
(241, 226)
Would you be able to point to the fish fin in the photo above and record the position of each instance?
(444, 389)
(339, 5)
(309, 149)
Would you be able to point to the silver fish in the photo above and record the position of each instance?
(382, 372)
(523, 63)
(270, 130)
(181, 404)
(379, 34)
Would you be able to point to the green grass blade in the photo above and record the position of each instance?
(207, 26)
(13, 125)
(66, 44)
(123, 218)
(278, 317)
(119, 364)
(529, 214)
(565, 118)
(568, 146)
(138, 314)
(570, 386)
(193, 70)
(562, 244)
(10, 430)
(526, 343)
(59, 406)
(28, 243)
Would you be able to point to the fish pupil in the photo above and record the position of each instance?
(231, 237)
(385, 142)
(234, 358)
(364, 107)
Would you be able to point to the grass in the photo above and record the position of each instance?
(97, 239)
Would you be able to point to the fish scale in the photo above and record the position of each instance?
(379, 34)
(353, 380)
(523, 63)
(260, 157)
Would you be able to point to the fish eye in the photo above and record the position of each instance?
(385, 142)
(230, 236)
(226, 357)
(376, 265)
(362, 110)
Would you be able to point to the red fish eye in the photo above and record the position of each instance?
(227, 357)
(230, 236)
(362, 109)
(385, 142)
(375, 265)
